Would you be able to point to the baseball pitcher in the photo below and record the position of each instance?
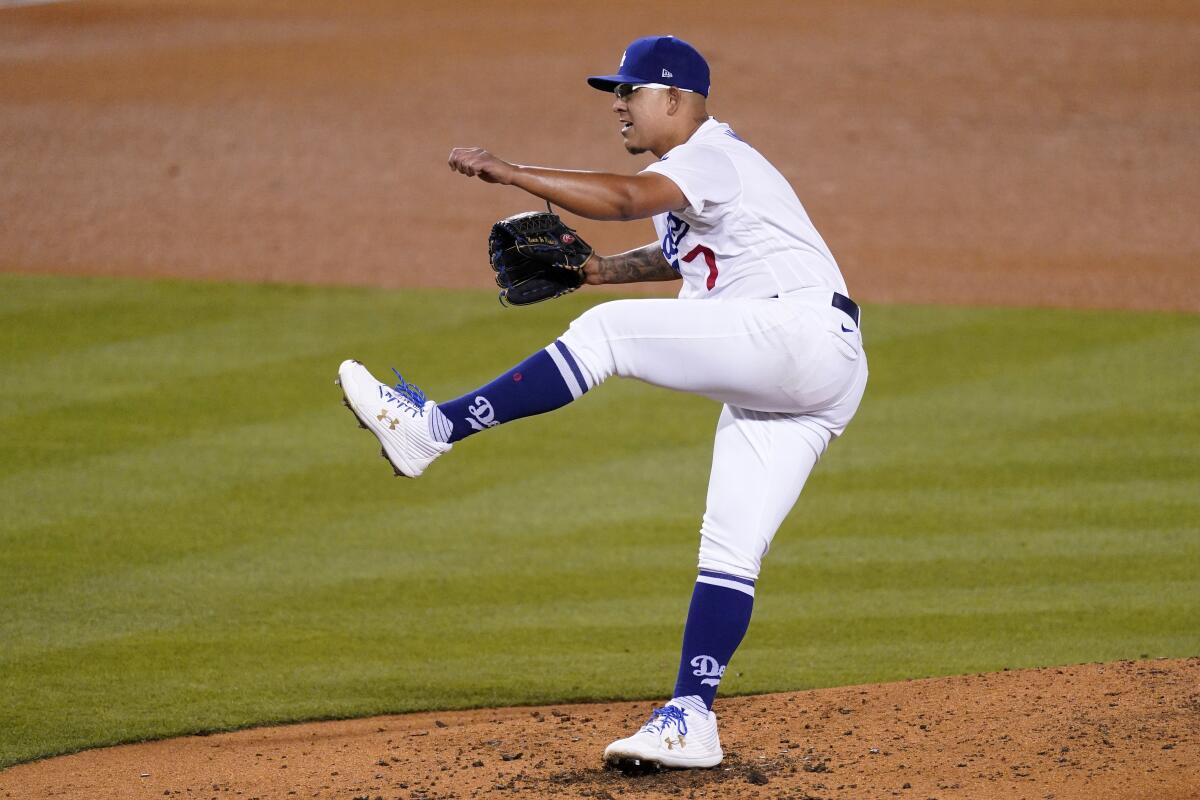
(763, 325)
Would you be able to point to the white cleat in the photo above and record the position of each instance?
(396, 415)
(676, 736)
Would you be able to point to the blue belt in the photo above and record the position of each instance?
(846, 305)
(841, 303)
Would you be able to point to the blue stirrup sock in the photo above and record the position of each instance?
(548, 379)
(717, 620)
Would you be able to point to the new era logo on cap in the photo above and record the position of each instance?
(658, 59)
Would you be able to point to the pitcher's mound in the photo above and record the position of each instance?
(1124, 730)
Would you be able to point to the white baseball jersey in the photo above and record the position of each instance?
(744, 232)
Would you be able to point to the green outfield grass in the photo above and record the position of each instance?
(195, 535)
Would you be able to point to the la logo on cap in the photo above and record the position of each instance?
(651, 59)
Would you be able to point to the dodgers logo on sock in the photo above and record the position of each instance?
(482, 414)
(707, 667)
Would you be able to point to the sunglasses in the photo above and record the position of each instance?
(624, 91)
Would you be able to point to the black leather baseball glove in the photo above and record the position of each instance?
(536, 257)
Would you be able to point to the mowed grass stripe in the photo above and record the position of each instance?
(238, 552)
(852, 650)
(1033, 572)
(197, 537)
(244, 477)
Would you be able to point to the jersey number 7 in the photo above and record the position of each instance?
(709, 258)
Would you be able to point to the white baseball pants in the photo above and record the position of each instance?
(791, 372)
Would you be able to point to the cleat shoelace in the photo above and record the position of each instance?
(660, 718)
(410, 393)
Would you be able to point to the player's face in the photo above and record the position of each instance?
(641, 113)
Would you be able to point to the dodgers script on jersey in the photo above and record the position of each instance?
(744, 232)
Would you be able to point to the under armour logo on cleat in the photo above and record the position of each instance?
(383, 417)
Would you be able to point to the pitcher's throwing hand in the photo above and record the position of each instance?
(477, 162)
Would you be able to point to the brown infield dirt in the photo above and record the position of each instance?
(1128, 730)
(1022, 153)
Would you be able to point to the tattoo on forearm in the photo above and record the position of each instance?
(643, 264)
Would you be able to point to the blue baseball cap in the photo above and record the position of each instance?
(658, 59)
